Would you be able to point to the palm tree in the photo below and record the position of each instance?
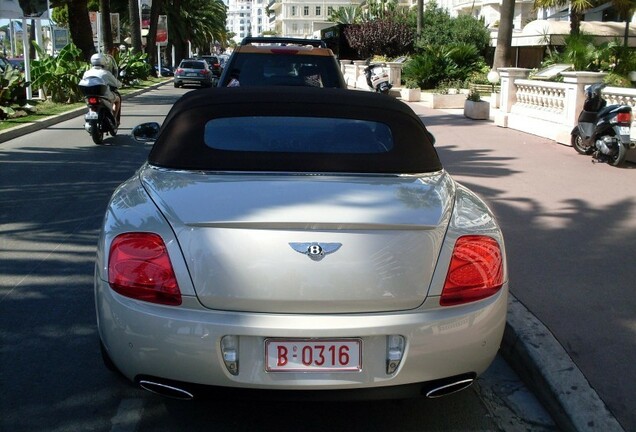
(157, 5)
(577, 7)
(197, 21)
(106, 29)
(135, 25)
(346, 15)
(80, 26)
(503, 50)
(625, 10)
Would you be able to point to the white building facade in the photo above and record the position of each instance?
(239, 18)
(298, 18)
(289, 18)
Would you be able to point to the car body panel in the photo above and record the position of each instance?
(388, 228)
(183, 343)
(239, 244)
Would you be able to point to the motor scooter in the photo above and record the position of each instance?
(377, 77)
(603, 130)
(100, 118)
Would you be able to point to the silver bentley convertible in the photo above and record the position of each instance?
(299, 240)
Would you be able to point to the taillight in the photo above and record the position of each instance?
(205, 71)
(624, 118)
(139, 267)
(92, 100)
(475, 271)
(179, 70)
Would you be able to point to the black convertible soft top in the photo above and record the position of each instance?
(182, 144)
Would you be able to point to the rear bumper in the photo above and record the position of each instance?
(182, 344)
(192, 80)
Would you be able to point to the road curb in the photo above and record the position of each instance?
(27, 128)
(536, 355)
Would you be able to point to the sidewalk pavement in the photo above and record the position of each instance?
(528, 346)
(543, 364)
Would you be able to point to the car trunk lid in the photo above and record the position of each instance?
(306, 243)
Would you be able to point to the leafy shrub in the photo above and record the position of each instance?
(615, 80)
(439, 28)
(473, 95)
(438, 64)
(12, 91)
(58, 76)
(385, 36)
(133, 67)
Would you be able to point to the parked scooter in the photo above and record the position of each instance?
(602, 130)
(377, 77)
(100, 118)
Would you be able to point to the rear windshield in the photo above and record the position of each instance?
(298, 135)
(293, 129)
(250, 69)
(193, 65)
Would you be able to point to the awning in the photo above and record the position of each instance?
(549, 32)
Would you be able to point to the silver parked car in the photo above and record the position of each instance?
(297, 239)
(193, 72)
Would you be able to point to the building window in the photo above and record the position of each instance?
(318, 10)
(330, 10)
(294, 28)
(306, 11)
(293, 10)
(306, 28)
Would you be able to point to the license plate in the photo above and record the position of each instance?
(623, 130)
(191, 74)
(313, 355)
(91, 115)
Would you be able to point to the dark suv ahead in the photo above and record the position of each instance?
(213, 63)
(268, 61)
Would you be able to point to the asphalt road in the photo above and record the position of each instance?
(570, 229)
(55, 184)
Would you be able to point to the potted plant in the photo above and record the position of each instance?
(411, 91)
(475, 108)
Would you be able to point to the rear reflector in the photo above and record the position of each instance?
(139, 267)
(475, 271)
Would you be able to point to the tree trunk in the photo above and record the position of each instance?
(80, 27)
(420, 16)
(575, 22)
(179, 44)
(106, 29)
(151, 47)
(135, 26)
(503, 51)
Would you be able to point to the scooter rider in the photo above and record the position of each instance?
(100, 68)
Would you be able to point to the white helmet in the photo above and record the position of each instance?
(98, 60)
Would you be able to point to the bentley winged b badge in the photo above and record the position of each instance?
(315, 251)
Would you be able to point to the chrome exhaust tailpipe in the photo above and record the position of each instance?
(166, 390)
(449, 388)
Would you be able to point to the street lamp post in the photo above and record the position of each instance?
(493, 78)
